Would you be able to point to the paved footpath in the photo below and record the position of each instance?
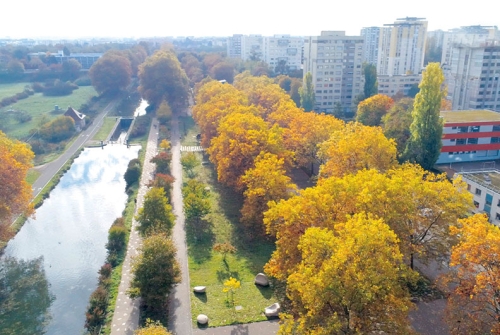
(126, 315)
(179, 319)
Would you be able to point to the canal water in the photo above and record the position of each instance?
(51, 267)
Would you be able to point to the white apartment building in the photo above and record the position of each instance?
(392, 85)
(371, 37)
(283, 49)
(402, 47)
(245, 47)
(473, 76)
(485, 188)
(470, 35)
(335, 63)
(234, 46)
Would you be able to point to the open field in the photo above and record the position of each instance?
(8, 90)
(207, 268)
(39, 106)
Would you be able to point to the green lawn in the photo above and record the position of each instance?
(8, 90)
(32, 176)
(206, 267)
(39, 106)
(107, 126)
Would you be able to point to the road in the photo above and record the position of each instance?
(179, 321)
(50, 169)
(126, 314)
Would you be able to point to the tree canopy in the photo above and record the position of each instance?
(424, 145)
(16, 158)
(156, 214)
(162, 78)
(111, 73)
(307, 98)
(371, 110)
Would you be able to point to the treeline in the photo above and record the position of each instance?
(345, 248)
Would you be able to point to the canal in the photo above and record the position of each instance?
(49, 270)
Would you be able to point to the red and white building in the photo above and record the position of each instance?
(469, 136)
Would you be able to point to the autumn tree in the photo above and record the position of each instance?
(426, 129)
(396, 123)
(241, 139)
(306, 132)
(110, 73)
(152, 328)
(230, 287)
(371, 110)
(189, 162)
(224, 249)
(307, 99)
(213, 102)
(16, 158)
(418, 206)
(223, 71)
(155, 271)
(193, 67)
(162, 78)
(59, 129)
(156, 214)
(266, 181)
(474, 304)
(164, 113)
(164, 181)
(71, 69)
(356, 147)
(162, 161)
(349, 281)
(371, 86)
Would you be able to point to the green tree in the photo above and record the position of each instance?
(162, 78)
(426, 129)
(71, 69)
(189, 162)
(396, 123)
(196, 200)
(133, 172)
(223, 71)
(155, 271)
(156, 214)
(307, 98)
(59, 129)
(371, 85)
(111, 73)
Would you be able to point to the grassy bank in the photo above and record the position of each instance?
(107, 125)
(41, 107)
(8, 90)
(207, 267)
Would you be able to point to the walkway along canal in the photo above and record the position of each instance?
(64, 247)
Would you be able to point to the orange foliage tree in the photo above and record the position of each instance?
(241, 138)
(474, 304)
(371, 110)
(16, 158)
(264, 182)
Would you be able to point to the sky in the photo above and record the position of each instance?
(150, 18)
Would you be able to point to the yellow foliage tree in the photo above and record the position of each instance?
(356, 147)
(16, 158)
(266, 181)
(230, 287)
(305, 132)
(152, 328)
(474, 304)
(349, 281)
(241, 138)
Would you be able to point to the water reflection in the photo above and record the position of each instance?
(141, 110)
(70, 232)
(24, 297)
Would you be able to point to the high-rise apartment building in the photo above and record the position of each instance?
(473, 76)
(245, 47)
(334, 61)
(282, 51)
(234, 46)
(371, 37)
(402, 47)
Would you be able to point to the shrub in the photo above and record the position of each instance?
(22, 95)
(96, 315)
(133, 172)
(117, 239)
(59, 88)
(37, 87)
(83, 81)
(59, 129)
(22, 117)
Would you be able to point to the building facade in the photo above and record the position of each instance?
(470, 136)
(484, 185)
(283, 52)
(392, 85)
(402, 47)
(371, 37)
(234, 46)
(335, 63)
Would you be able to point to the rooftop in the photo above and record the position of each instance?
(489, 179)
(469, 116)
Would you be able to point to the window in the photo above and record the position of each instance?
(489, 198)
(472, 141)
(474, 129)
(496, 127)
(497, 216)
(476, 204)
(478, 191)
(464, 129)
(468, 189)
(495, 140)
(460, 141)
